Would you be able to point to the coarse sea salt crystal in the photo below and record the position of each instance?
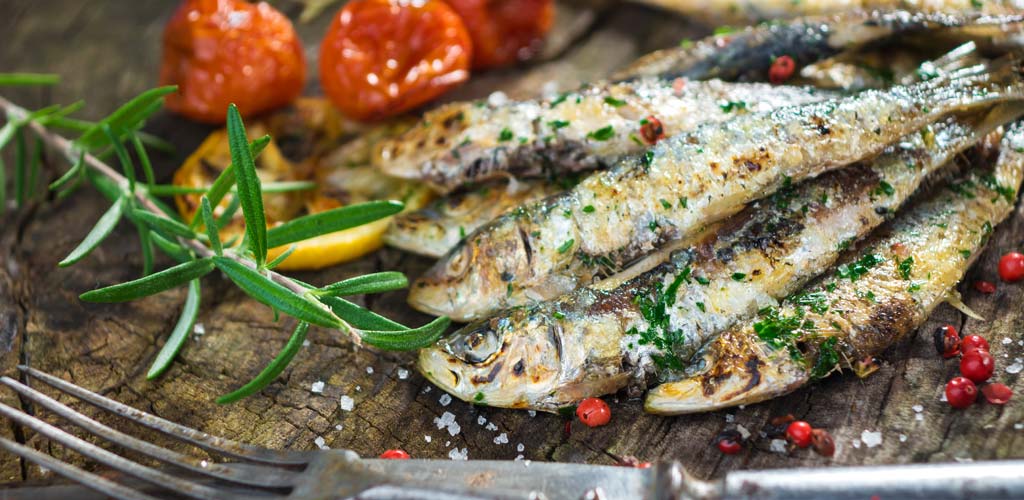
(917, 408)
(369, 370)
(1018, 426)
(519, 458)
(338, 427)
(943, 397)
(532, 413)
(903, 438)
(491, 427)
(427, 438)
(778, 446)
(497, 98)
(501, 439)
(445, 400)
(317, 387)
(520, 447)
(1015, 367)
(919, 417)
(320, 442)
(871, 439)
(426, 389)
(481, 420)
(306, 343)
(730, 418)
(447, 421)
(347, 403)
(403, 374)
(199, 329)
(743, 431)
(1007, 341)
(457, 454)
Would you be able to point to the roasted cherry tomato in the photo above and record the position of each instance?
(383, 57)
(594, 412)
(505, 31)
(228, 51)
(395, 455)
(1011, 267)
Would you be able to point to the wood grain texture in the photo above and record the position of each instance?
(108, 51)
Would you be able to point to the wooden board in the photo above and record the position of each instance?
(109, 51)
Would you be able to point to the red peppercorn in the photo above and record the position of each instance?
(985, 286)
(799, 433)
(781, 70)
(594, 412)
(947, 341)
(972, 342)
(997, 393)
(395, 455)
(1011, 267)
(961, 392)
(977, 365)
(729, 446)
(652, 130)
(823, 443)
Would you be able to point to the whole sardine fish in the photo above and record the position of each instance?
(436, 229)
(878, 295)
(614, 217)
(752, 11)
(591, 128)
(599, 339)
(748, 54)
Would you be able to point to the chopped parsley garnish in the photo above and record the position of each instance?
(827, 360)
(589, 209)
(665, 204)
(817, 301)
(963, 189)
(855, 270)
(559, 100)
(914, 287)
(733, 106)
(905, 266)
(885, 188)
(611, 101)
(557, 124)
(738, 276)
(1008, 193)
(558, 315)
(479, 397)
(702, 280)
(965, 253)
(602, 134)
(564, 247)
(843, 245)
(700, 305)
(780, 331)
(653, 225)
(647, 158)
(683, 202)
(462, 232)
(505, 135)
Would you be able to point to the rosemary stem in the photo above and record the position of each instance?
(71, 152)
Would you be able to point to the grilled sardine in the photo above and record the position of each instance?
(879, 294)
(748, 54)
(612, 218)
(591, 128)
(598, 339)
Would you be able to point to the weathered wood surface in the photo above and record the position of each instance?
(108, 51)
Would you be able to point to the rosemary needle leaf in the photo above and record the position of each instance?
(166, 225)
(277, 296)
(19, 167)
(280, 258)
(7, 132)
(360, 317)
(272, 370)
(99, 233)
(152, 284)
(146, 243)
(404, 340)
(128, 117)
(12, 79)
(370, 283)
(122, 156)
(337, 219)
(179, 334)
(249, 189)
(212, 230)
(140, 153)
(171, 248)
(71, 174)
(229, 213)
(224, 182)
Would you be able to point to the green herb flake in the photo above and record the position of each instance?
(602, 134)
(665, 204)
(828, 359)
(558, 124)
(965, 253)
(558, 315)
(738, 276)
(611, 101)
(700, 305)
(855, 270)
(564, 247)
(589, 209)
(505, 135)
(905, 266)
(731, 106)
(702, 280)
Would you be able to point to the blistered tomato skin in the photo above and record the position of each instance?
(381, 58)
(228, 51)
(505, 32)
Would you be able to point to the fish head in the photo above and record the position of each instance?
(476, 277)
(511, 361)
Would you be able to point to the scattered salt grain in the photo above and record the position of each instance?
(427, 438)
(497, 98)
(963, 460)
(457, 454)
(321, 443)
(369, 370)
(903, 438)
(317, 387)
(1018, 426)
(501, 439)
(919, 417)
(403, 374)
(730, 418)
(1007, 341)
(445, 400)
(532, 413)
(519, 458)
(871, 439)
(359, 388)
(520, 447)
(1015, 367)
(491, 427)
(338, 427)
(347, 403)
(447, 421)
(743, 431)
(943, 397)
(306, 343)
(447, 443)
(481, 420)
(778, 446)
(856, 443)
(199, 329)
(917, 408)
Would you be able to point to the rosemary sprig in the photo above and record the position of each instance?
(160, 228)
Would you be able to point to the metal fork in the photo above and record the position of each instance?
(255, 471)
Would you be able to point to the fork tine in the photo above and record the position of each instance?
(148, 474)
(97, 483)
(203, 440)
(249, 474)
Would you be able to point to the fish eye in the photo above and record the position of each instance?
(459, 263)
(477, 345)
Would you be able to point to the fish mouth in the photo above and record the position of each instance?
(435, 365)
